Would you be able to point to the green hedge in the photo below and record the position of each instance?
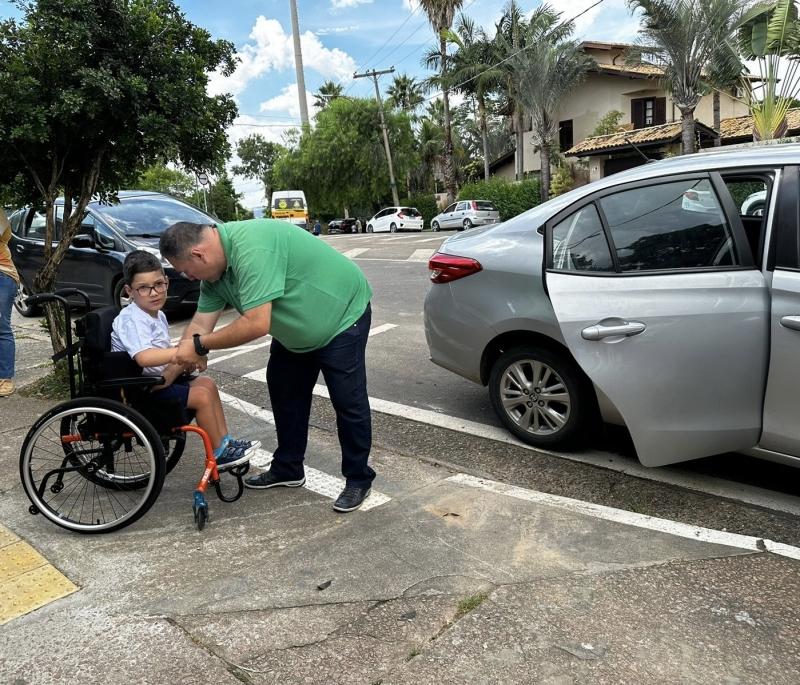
(425, 203)
(510, 197)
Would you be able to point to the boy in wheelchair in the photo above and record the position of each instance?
(142, 331)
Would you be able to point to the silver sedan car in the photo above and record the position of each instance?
(622, 301)
(465, 214)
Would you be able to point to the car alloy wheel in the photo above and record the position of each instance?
(540, 396)
(20, 304)
(393, 228)
(369, 228)
(467, 224)
(435, 225)
(119, 298)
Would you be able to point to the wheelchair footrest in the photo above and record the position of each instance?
(238, 472)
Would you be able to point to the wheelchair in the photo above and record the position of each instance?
(96, 463)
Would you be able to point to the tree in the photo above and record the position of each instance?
(770, 34)
(405, 94)
(92, 92)
(549, 69)
(161, 179)
(341, 163)
(724, 69)
(440, 15)
(258, 156)
(609, 123)
(330, 90)
(682, 36)
(223, 201)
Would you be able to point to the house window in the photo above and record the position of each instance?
(648, 112)
(565, 141)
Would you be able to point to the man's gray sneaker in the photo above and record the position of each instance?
(268, 480)
(351, 498)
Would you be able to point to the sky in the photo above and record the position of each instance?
(338, 38)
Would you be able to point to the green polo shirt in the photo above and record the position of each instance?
(316, 292)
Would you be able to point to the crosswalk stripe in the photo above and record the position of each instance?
(352, 254)
(422, 255)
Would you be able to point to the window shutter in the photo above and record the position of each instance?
(660, 111)
(637, 112)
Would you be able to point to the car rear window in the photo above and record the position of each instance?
(145, 216)
(485, 206)
(410, 211)
(288, 203)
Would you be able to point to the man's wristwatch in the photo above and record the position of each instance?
(199, 348)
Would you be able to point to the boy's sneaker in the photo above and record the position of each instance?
(269, 480)
(233, 455)
(246, 444)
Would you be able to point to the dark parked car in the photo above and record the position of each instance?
(342, 226)
(93, 263)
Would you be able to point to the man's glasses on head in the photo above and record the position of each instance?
(158, 287)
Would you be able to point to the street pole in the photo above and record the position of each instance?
(298, 66)
(374, 74)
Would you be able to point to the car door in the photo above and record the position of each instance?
(458, 215)
(28, 246)
(382, 223)
(92, 269)
(664, 310)
(781, 425)
(447, 216)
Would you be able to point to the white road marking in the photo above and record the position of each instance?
(252, 410)
(422, 255)
(629, 518)
(352, 254)
(382, 328)
(322, 483)
(431, 240)
(717, 487)
(240, 350)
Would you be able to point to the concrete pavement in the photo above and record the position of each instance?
(445, 582)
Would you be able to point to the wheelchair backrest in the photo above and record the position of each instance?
(99, 362)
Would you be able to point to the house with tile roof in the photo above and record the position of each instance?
(637, 92)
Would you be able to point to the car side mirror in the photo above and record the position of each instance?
(83, 240)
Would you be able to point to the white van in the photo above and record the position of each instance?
(290, 205)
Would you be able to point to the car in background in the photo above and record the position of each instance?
(754, 204)
(645, 299)
(396, 219)
(291, 206)
(342, 225)
(465, 214)
(93, 262)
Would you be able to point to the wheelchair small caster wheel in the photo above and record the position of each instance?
(55, 488)
(33, 510)
(200, 509)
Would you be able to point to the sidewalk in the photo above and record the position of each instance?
(442, 583)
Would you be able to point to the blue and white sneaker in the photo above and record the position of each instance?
(236, 452)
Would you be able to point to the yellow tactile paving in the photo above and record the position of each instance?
(27, 580)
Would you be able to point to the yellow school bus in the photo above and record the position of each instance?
(290, 205)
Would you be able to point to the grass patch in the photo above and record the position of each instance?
(469, 604)
(415, 651)
(53, 386)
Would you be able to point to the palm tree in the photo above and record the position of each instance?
(440, 15)
(330, 90)
(474, 72)
(682, 37)
(546, 72)
(405, 93)
(723, 73)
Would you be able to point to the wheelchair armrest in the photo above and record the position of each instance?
(134, 382)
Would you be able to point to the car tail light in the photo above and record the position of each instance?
(445, 268)
(475, 205)
(691, 195)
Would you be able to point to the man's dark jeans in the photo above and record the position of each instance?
(291, 377)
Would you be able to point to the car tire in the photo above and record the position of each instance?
(435, 226)
(548, 423)
(393, 228)
(467, 224)
(118, 297)
(19, 302)
(756, 210)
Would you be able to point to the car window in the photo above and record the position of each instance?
(149, 215)
(485, 206)
(676, 225)
(461, 206)
(410, 211)
(102, 234)
(288, 203)
(451, 208)
(579, 243)
(36, 228)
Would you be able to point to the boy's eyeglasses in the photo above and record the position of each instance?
(147, 290)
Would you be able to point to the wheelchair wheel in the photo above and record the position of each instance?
(92, 465)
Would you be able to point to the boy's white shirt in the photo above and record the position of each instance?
(134, 330)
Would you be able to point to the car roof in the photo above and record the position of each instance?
(125, 194)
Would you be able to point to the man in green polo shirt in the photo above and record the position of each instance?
(316, 305)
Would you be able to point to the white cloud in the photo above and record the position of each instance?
(288, 103)
(342, 4)
(411, 5)
(337, 29)
(272, 49)
(610, 20)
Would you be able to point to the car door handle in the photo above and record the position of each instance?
(600, 331)
(792, 322)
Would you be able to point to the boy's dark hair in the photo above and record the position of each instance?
(139, 262)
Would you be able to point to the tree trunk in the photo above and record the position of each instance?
(484, 136)
(717, 119)
(520, 144)
(687, 131)
(544, 156)
(449, 162)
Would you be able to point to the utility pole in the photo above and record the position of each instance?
(374, 74)
(298, 66)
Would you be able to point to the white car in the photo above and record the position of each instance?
(754, 204)
(394, 219)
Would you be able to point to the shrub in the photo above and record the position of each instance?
(425, 203)
(562, 180)
(510, 197)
